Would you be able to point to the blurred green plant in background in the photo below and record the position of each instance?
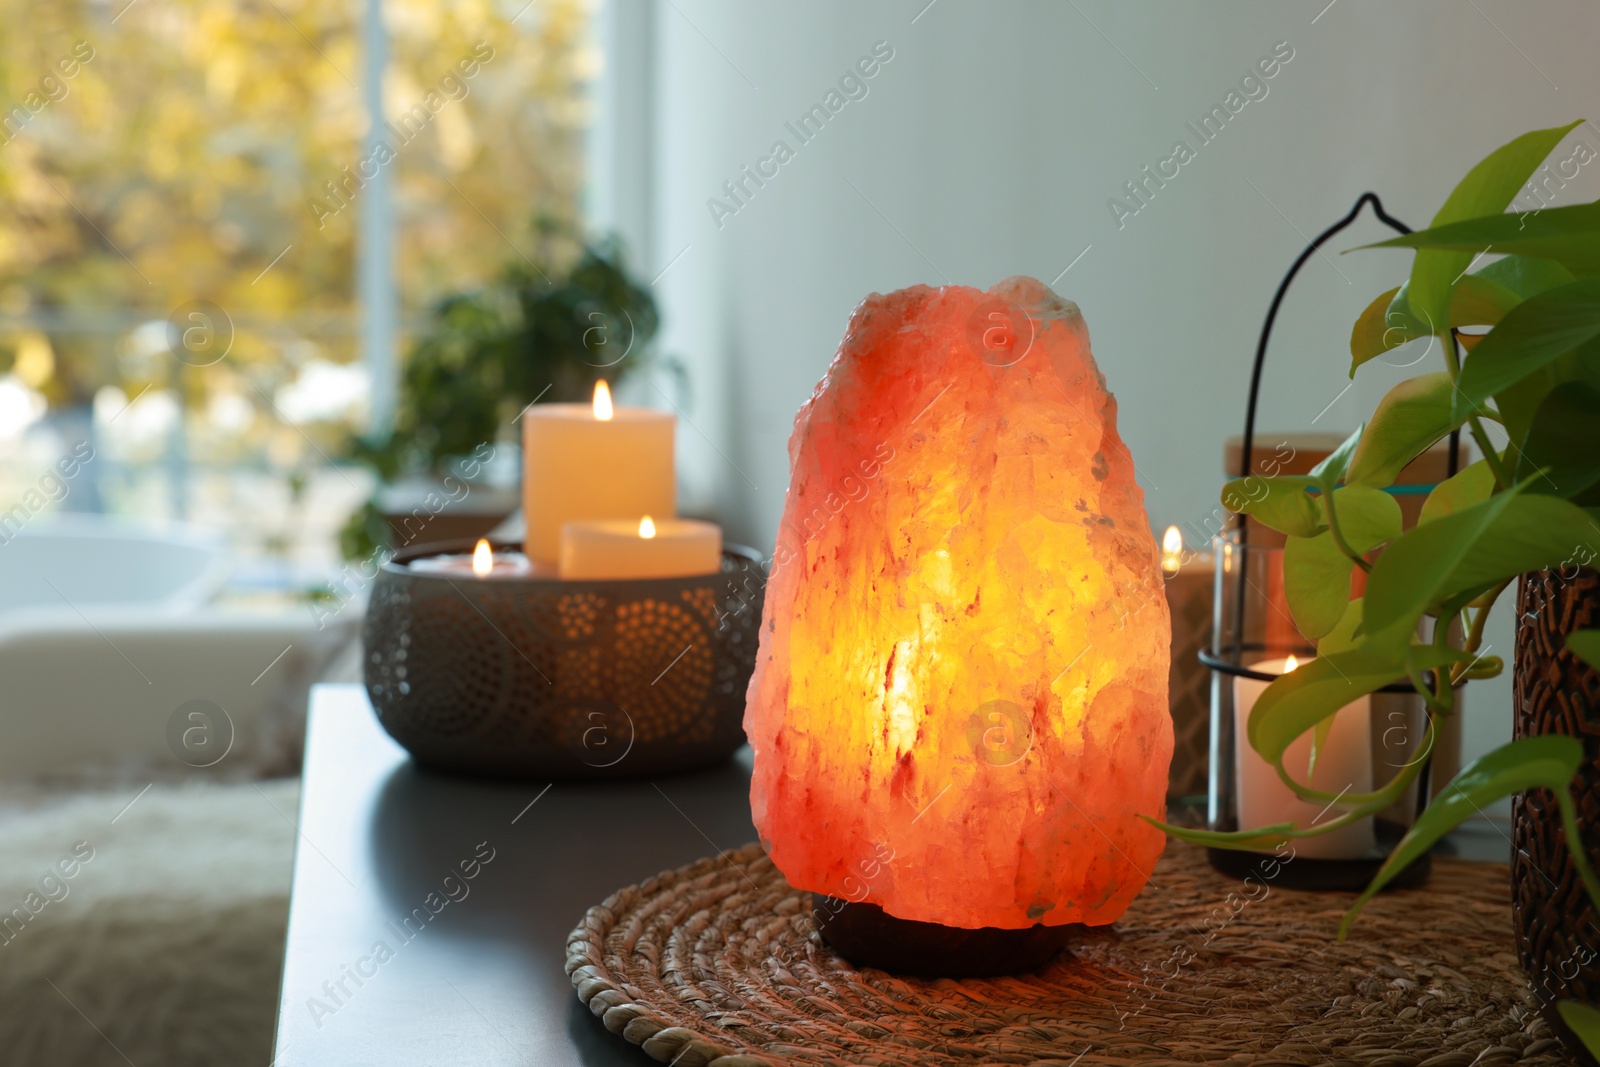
(544, 332)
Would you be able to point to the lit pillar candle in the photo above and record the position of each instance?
(592, 461)
(647, 548)
(483, 562)
(1344, 764)
(1189, 580)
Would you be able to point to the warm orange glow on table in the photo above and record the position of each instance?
(959, 709)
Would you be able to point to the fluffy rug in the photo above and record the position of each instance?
(145, 933)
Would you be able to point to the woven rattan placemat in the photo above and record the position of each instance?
(716, 963)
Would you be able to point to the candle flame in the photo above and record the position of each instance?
(602, 401)
(1290, 664)
(647, 527)
(482, 558)
(1171, 550)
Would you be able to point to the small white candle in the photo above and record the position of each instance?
(593, 461)
(1171, 551)
(1344, 764)
(483, 562)
(641, 548)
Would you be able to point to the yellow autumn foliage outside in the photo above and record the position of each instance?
(187, 153)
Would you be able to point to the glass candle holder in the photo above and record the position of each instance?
(1372, 740)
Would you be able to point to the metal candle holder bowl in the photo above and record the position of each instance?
(543, 678)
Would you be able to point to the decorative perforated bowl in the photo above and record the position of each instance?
(544, 678)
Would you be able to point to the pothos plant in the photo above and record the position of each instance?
(1531, 503)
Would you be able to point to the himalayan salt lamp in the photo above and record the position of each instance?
(959, 707)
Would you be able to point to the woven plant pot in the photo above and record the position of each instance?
(1558, 937)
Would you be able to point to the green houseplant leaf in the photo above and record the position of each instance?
(1585, 644)
(1486, 190)
(1377, 330)
(1330, 471)
(1525, 275)
(1315, 690)
(1568, 235)
(1316, 583)
(1387, 322)
(1316, 571)
(1561, 454)
(1367, 517)
(1281, 503)
(1583, 1021)
(1409, 419)
(1319, 737)
(1299, 700)
(1547, 762)
(1471, 549)
(1532, 533)
(1343, 636)
(1517, 403)
(1532, 335)
(1332, 681)
(1468, 486)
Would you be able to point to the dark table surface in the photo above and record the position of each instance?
(477, 976)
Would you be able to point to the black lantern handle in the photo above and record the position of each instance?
(1214, 662)
(1321, 239)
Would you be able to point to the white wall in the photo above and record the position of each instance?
(990, 145)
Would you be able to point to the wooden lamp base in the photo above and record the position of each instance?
(868, 936)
